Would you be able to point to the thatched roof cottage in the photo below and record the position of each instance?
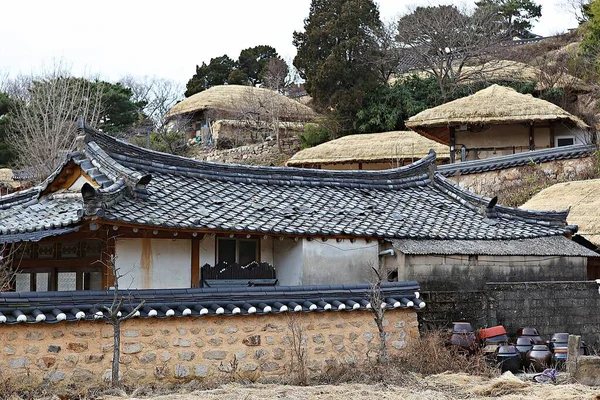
(256, 108)
(372, 151)
(498, 121)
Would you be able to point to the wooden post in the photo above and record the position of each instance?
(195, 262)
(452, 144)
(531, 138)
(573, 353)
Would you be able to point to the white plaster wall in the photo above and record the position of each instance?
(154, 263)
(208, 250)
(333, 262)
(581, 137)
(288, 260)
(266, 250)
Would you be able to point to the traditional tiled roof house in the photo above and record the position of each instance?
(173, 222)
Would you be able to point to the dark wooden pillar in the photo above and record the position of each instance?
(531, 138)
(195, 262)
(452, 144)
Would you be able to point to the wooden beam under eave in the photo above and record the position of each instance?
(203, 231)
(195, 262)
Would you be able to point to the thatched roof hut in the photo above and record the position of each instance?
(582, 197)
(236, 101)
(496, 105)
(386, 147)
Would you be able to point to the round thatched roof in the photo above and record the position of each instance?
(493, 105)
(371, 147)
(236, 100)
(583, 197)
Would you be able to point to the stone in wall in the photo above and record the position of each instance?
(266, 153)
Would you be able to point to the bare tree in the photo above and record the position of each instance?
(442, 40)
(42, 129)
(115, 315)
(576, 8)
(8, 271)
(377, 307)
(298, 361)
(276, 74)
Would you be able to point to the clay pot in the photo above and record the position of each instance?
(490, 332)
(460, 327)
(532, 333)
(464, 340)
(539, 357)
(524, 344)
(490, 352)
(508, 358)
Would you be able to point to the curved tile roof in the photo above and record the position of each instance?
(142, 187)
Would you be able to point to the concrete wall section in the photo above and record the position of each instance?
(154, 263)
(458, 272)
(202, 348)
(333, 262)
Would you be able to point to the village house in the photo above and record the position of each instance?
(173, 222)
(583, 202)
(499, 121)
(372, 151)
(229, 116)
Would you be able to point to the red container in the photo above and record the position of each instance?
(490, 332)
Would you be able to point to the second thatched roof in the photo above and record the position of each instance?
(233, 101)
(371, 147)
(493, 105)
(582, 197)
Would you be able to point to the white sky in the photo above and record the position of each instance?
(168, 38)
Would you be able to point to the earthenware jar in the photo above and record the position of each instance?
(508, 358)
(539, 357)
(524, 344)
(463, 336)
(532, 333)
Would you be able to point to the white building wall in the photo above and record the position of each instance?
(333, 262)
(267, 246)
(154, 263)
(564, 131)
(208, 250)
(288, 260)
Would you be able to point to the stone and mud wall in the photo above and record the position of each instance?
(266, 153)
(492, 183)
(252, 347)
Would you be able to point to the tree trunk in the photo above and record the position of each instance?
(116, 352)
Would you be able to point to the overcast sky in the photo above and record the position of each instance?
(168, 38)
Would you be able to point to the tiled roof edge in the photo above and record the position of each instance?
(475, 201)
(132, 156)
(518, 159)
(53, 307)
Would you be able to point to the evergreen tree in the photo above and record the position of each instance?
(6, 155)
(334, 54)
(516, 16)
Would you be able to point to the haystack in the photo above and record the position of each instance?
(229, 101)
(493, 105)
(372, 147)
(583, 197)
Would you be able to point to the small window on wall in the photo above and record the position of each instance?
(55, 279)
(565, 141)
(237, 251)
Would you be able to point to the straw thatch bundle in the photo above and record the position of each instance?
(583, 197)
(372, 147)
(493, 105)
(240, 101)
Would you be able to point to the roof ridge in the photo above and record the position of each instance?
(475, 201)
(517, 159)
(136, 157)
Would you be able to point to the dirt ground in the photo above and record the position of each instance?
(442, 386)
